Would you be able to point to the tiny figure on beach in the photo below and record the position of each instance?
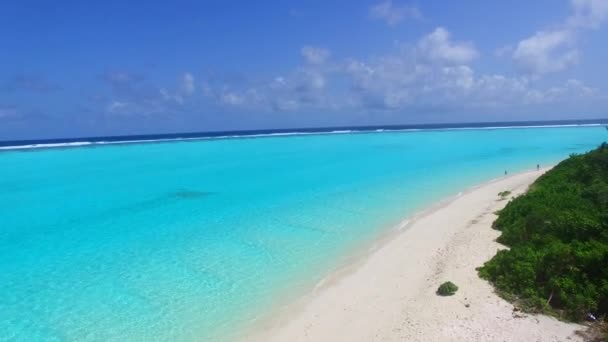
(537, 167)
(505, 172)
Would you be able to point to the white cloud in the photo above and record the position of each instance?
(546, 51)
(232, 99)
(302, 88)
(573, 88)
(133, 95)
(555, 50)
(404, 81)
(315, 55)
(458, 77)
(393, 14)
(187, 86)
(307, 80)
(117, 106)
(438, 47)
(136, 108)
(285, 104)
(400, 82)
(434, 73)
(588, 13)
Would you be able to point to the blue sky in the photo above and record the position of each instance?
(75, 68)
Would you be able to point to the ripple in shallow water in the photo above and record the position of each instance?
(189, 194)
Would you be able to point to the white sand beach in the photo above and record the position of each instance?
(390, 296)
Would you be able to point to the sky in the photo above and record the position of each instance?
(84, 68)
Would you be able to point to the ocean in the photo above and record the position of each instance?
(193, 237)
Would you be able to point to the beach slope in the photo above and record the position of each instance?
(390, 296)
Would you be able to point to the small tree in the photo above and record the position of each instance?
(447, 289)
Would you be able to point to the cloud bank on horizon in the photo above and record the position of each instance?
(388, 62)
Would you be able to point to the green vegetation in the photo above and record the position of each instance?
(447, 289)
(558, 238)
(504, 194)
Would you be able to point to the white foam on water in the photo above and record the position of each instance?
(268, 135)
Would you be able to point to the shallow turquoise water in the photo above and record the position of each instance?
(187, 241)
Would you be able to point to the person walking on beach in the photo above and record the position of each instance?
(537, 167)
(505, 172)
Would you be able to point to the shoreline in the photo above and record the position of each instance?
(387, 290)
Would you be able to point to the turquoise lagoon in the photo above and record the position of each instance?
(193, 240)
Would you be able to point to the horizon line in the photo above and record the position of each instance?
(276, 132)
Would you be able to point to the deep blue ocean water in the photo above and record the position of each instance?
(191, 240)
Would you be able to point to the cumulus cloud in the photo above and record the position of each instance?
(439, 47)
(436, 72)
(131, 94)
(117, 106)
(187, 86)
(231, 98)
(546, 51)
(400, 82)
(303, 88)
(392, 13)
(555, 50)
(315, 55)
(394, 82)
(588, 13)
(309, 80)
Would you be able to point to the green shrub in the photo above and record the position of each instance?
(447, 289)
(504, 194)
(558, 238)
